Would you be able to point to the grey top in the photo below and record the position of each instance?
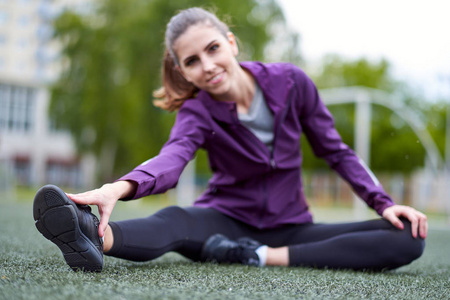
(259, 119)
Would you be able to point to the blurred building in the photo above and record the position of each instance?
(33, 153)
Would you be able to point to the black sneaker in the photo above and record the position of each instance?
(73, 228)
(218, 248)
(248, 243)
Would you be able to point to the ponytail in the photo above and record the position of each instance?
(175, 89)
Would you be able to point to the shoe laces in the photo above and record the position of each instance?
(87, 209)
(242, 254)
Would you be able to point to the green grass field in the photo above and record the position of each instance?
(33, 268)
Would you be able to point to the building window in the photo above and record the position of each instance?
(17, 104)
(22, 43)
(22, 170)
(24, 20)
(3, 18)
(63, 173)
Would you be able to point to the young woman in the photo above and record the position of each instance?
(249, 117)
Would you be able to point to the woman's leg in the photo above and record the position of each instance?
(374, 245)
(183, 230)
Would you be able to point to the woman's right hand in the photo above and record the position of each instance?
(105, 198)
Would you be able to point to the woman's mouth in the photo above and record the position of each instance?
(216, 79)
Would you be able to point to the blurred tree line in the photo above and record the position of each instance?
(111, 65)
(394, 145)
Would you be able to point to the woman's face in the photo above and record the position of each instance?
(207, 58)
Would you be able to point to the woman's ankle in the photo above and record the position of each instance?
(277, 256)
(108, 239)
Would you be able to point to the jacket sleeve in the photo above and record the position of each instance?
(162, 172)
(318, 126)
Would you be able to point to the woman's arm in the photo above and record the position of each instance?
(162, 172)
(318, 125)
(156, 175)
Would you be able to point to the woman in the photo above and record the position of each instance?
(249, 117)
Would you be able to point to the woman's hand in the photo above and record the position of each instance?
(105, 198)
(418, 220)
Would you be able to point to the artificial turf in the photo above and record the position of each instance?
(33, 268)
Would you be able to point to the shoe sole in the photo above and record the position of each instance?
(56, 219)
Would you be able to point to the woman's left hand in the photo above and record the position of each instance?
(419, 223)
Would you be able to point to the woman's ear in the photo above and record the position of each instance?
(233, 43)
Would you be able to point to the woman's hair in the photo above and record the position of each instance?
(176, 89)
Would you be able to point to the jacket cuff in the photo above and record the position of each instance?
(382, 204)
(145, 183)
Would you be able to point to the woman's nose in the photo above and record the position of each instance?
(208, 65)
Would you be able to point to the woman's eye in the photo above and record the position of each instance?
(190, 62)
(214, 48)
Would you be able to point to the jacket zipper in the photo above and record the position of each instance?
(272, 160)
(264, 204)
(277, 132)
(252, 138)
(272, 163)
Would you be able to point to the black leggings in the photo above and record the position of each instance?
(372, 245)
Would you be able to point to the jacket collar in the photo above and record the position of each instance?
(220, 110)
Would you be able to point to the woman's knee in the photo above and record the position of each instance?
(171, 212)
(409, 248)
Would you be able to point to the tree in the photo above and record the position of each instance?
(394, 146)
(337, 72)
(112, 60)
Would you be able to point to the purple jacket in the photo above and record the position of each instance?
(251, 183)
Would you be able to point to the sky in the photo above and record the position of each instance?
(413, 35)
